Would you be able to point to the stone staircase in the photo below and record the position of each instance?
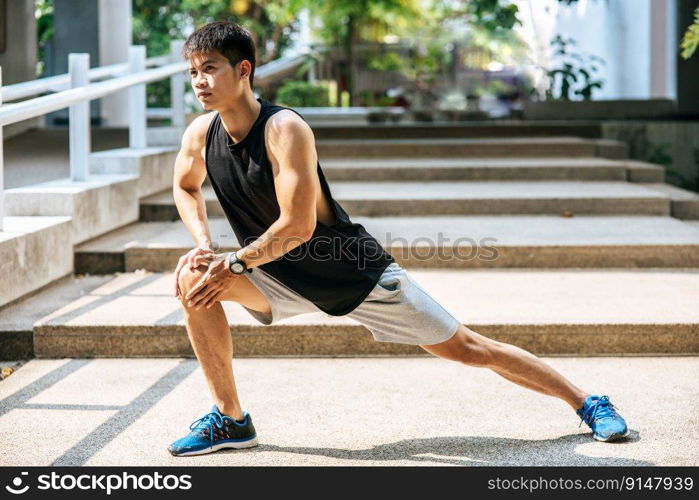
(561, 245)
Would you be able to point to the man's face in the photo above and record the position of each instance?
(214, 81)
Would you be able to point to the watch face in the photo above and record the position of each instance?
(237, 267)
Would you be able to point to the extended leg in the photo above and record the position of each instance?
(511, 362)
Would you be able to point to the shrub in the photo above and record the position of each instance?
(303, 94)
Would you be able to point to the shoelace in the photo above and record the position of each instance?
(207, 422)
(599, 409)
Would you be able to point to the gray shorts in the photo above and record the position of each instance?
(396, 310)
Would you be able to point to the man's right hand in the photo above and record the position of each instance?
(194, 258)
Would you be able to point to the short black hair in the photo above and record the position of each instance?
(231, 40)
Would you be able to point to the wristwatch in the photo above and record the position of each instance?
(235, 265)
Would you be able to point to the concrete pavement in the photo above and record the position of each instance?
(42, 155)
(346, 411)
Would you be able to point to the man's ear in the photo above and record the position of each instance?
(245, 68)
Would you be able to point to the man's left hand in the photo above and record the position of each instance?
(213, 283)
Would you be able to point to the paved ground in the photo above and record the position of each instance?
(345, 411)
(27, 164)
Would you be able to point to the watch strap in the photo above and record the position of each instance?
(232, 258)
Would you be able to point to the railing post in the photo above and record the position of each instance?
(79, 119)
(2, 169)
(177, 86)
(137, 99)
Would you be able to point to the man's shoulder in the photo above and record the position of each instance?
(195, 133)
(200, 125)
(286, 121)
(288, 135)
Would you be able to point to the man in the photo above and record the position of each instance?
(263, 166)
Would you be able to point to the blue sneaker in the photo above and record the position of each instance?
(600, 414)
(213, 432)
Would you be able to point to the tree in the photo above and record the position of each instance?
(347, 22)
(690, 40)
(44, 32)
(155, 22)
(450, 33)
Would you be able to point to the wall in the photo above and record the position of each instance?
(674, 144)
(19, 59)
(638, 40)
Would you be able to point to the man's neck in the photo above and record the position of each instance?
(239, 117)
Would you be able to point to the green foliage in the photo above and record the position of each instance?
(493, 15)
(429, 29)
(296, 93)
(156, 22)
(575, 68)
(498, 88)
(690, 40)
(344, 23)
(360, 20)
(389, 61)
(43, 13)
(429, 35)
(481, 30)
(658, 154)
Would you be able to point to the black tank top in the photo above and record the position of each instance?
(337, 268)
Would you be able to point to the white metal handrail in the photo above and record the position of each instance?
(62, 82)
(11, 113)
(281, 65)
(81, 92)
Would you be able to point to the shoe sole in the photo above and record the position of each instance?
(238, 445)
(613, 437)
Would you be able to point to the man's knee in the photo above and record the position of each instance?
(189, 277)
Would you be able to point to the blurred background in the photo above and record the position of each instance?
(403, 60)
(476, 55)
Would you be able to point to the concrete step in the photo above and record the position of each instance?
(17, 319)
(440, 241)
(582, 312)
(471, 129)
(516, 147)
(498, 197)
(490, 169)
(685, 204)
(462, 198)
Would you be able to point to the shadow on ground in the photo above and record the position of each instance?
(471, 450)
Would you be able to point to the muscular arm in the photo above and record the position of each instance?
(291, 151)
(190, 172)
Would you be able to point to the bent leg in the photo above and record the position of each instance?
(508, 361)
(210, 336)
